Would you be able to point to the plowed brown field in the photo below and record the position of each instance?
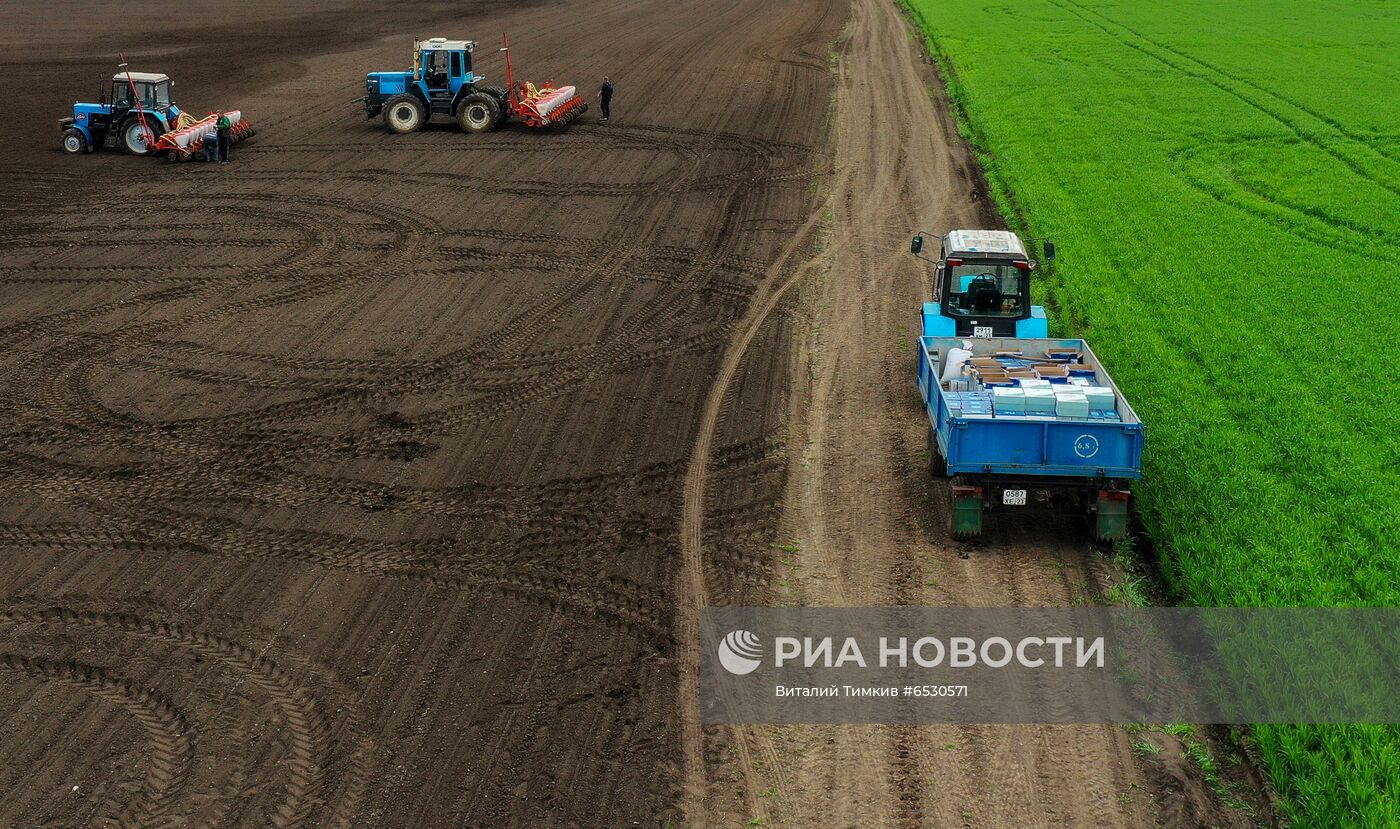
(341, 482)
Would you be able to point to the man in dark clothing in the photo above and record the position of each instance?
(605, 93)
(225, 128)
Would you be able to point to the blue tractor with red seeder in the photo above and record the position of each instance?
(141, 117)
(442, 83)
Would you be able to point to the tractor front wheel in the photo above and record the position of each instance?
(74, 141)
(135, 139)
(478, 112)
(403, 113)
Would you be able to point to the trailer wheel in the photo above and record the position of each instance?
(74, 141)
(134, 136)
(478, 112)
(502, 102)
(403, 114)
(937, 464)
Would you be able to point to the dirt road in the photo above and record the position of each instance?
(340, 483)
(858, 523)
(861, 527)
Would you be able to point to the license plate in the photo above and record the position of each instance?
(1013, 497)
(983, 332)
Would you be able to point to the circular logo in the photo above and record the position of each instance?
(740, 652)
(1086, 446)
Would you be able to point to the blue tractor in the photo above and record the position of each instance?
(440, 83)
(136, 114)
(982, 287)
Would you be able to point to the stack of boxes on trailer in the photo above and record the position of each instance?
(1011, 384)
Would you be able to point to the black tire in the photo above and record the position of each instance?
(937, 464)
(478, 112)
(404, 114)
(74, 142)
(133, 138)
(502, 101)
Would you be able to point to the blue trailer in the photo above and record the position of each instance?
(1026, 424)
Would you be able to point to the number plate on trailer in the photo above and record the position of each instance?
(1013, 497)
(983, 332)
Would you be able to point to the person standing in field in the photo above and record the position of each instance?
(225, 128)
(605, 93)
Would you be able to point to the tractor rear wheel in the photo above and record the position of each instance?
(502, 101)
(403, 113)
(74, 141)
(134, 135)
(478, 112)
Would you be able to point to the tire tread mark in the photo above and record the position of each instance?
(165, 726)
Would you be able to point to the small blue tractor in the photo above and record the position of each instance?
(442, 83)
(138, 112)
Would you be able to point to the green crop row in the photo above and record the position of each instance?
(1223, 182)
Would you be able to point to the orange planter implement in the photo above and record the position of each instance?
(189, 135)
(543, 106)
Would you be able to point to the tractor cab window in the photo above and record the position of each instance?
(985, 289)
(456, 65)
(435, 68)
(153, 96)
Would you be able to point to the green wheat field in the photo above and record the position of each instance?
(1223, 182)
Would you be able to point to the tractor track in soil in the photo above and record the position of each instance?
(315, 745)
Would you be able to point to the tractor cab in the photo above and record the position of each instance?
(444, 65)
(982, 287)
(116, 120)
(152, 90)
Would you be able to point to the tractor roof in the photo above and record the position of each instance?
(448, 45)
(141, 77)
(992, 242)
